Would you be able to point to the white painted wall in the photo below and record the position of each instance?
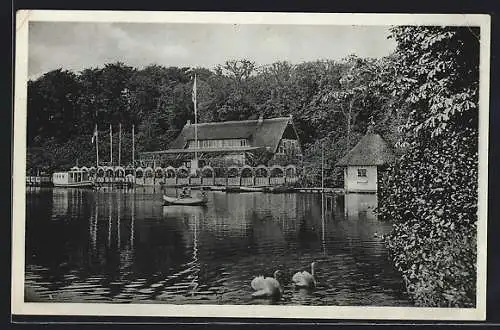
(60, 178)
(354, 183)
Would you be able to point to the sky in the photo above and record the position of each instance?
(79, 45)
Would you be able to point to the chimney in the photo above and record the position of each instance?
(261, 119)
(188, 123)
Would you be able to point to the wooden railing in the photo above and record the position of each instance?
(245, 176)
(210, 181)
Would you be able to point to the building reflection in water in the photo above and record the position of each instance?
(93, 231)
(251, 223)
(360, 206)
(110, 212)
(195, 254)
(323, 223)
(132, 224)
(118, 223)
(186, 276)
(137, 248)
(60, 202)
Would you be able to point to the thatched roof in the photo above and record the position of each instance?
(370, 150)
(265, 133)
(207, 150)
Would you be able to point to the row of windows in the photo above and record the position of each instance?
(82, 176)
(223, 143)
(286, 144)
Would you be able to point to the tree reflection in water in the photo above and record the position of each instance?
(131, 248)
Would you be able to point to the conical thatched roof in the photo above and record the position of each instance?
(370, 150)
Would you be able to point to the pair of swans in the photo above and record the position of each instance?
(270, 287)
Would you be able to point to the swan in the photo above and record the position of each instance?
(267, 287)
(305, 279)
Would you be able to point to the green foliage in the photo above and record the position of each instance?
(439, 82)
(259, 157)
(64, 106)
(431, 197)
(430, 194)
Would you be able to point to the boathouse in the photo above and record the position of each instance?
(272, 141)
(363, 163)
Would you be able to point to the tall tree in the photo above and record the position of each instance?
(235, 76)
(52, 105)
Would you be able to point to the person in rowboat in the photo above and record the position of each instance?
(184, 193)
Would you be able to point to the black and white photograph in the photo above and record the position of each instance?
(283, 165)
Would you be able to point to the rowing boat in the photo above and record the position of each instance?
(280, 189)
(217, 188)
(250, 189)
(185, 200)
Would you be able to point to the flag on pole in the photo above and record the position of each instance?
(193, 95)
(94, 136)
(110, 145)
(194, 162)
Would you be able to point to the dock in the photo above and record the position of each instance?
(38, 181)
(320, 190)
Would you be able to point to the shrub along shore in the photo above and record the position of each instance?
(430, 194)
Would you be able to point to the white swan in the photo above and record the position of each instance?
(305, 279)
(267, 287)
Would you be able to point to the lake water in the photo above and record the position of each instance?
(125, 246)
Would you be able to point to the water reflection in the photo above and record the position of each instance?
(125, 246)
(360, 206)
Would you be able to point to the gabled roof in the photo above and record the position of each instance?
(263, 134)
(370, 150)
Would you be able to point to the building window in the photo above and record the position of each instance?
(362, 172)
(218, 143)
(287, 145)
(281, 148)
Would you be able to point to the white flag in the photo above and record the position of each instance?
(193, 95)
(94, 136)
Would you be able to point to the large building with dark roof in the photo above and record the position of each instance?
(232, 143)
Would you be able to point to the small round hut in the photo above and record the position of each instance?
(363, 162)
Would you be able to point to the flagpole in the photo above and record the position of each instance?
(97, 147)
(195, 123)
(111, 144)
(133, 149)
(322, 169)
(120, 146)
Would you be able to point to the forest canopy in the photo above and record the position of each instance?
(331, 103)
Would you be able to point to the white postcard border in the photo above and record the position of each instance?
(20, 307)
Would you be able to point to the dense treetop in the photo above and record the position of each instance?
(330, 101)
